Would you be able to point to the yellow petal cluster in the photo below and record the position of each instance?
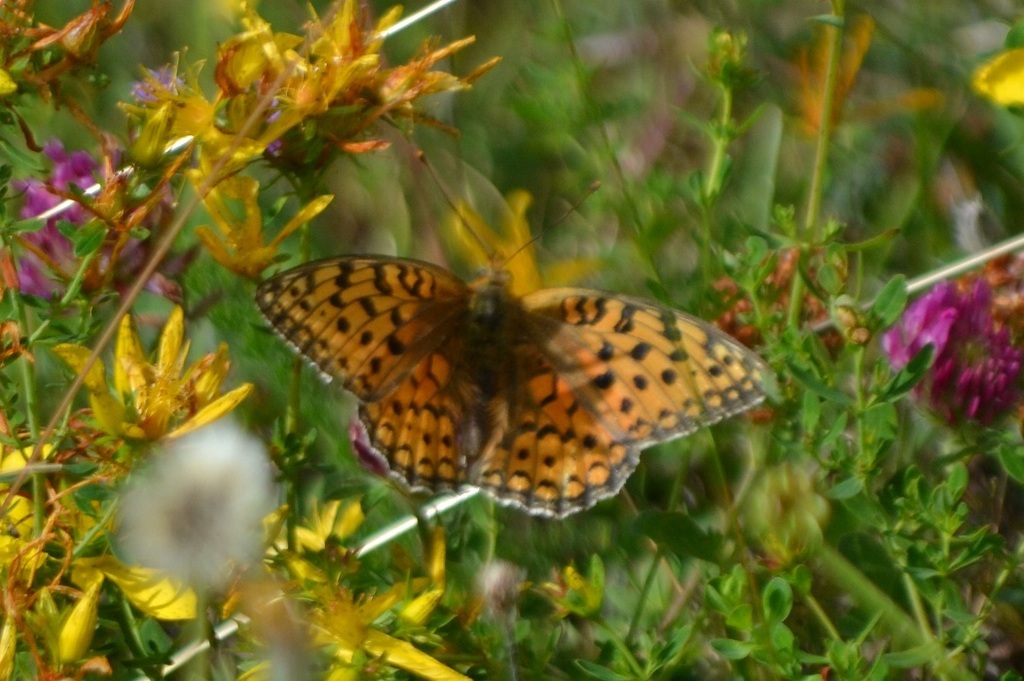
(509, 247)
(233, 204)
(162, 398)
(295, 109)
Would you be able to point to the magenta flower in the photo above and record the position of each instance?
(78, 169)
(48, 258)
(975, 375)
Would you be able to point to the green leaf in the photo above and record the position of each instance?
(810, 413)
(881, 423)
(913, 657)
(88, 238)
(596, 671)
(812, 382)
(677, 639)
(741, 617)
(846, 489)
(678, 533)
(732, 649)
(1015, 36)
(782, 638)
(890, 301)
(907, 377)
(956, 480)
(1011, 455)
(830, 279)
(777, 599)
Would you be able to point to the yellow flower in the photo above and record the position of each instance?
(510, 247)
(158, 399)
(1001, 78)
(16, 533)
(577, 594)
(346, 625)
(323, 102)
(241, 249)
(79, 624)
(332, 522)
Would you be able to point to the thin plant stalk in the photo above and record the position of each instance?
(812, 218)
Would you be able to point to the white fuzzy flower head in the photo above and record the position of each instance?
(499, 585)
(196, 511)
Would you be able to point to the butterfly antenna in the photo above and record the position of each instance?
(594, 186)
(446, 192)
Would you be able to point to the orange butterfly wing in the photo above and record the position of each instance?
(605, 376)
(365, 321)
(549, 414)
(388, 329)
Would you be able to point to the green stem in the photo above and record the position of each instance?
(722, 138)
(632, 209)
(811, 225)
(102, 525)
(916, 606)
(822, 616)
(198, 666)
(861, 399)
(129, 627)
(75, 285)
(617, 641)
(645, 590)
(31, 395)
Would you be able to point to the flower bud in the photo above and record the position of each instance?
(8, 645)
(79, 625)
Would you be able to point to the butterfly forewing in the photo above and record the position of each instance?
(365, 321)
(647, 372)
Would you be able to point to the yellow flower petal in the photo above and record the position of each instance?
(7, 87)
(18, 521)
(339, 673)
(419, 609)
(212, 369)
(109, 412)
(351, 518)
(75, 357)
(8, 645)
(214, 410)
(79, 625)
(435, 560)
(149, 590)
(406, 656)
(304, 215)
(127, 354)
(169, 350)
(1001, 79)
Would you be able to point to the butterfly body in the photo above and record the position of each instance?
(544, 401)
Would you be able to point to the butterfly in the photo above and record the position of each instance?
(544, 401)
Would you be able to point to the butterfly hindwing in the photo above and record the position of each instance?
(416, 426)
(365, 321)
(554, 457)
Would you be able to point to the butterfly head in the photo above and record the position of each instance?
(491, 292)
